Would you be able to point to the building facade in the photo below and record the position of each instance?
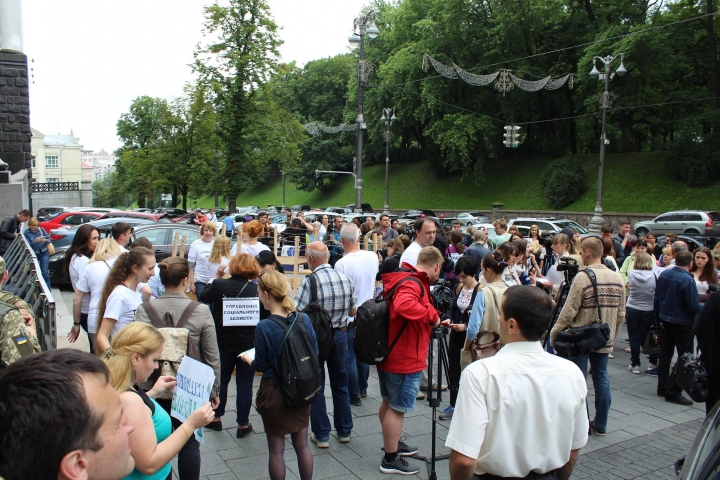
(56, 158)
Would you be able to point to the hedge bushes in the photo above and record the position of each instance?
(563, 182)
(697, 163)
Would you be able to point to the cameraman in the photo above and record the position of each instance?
(332, 240)
(412, 316)
(581, 309)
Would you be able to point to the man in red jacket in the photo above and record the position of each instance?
(400, 374)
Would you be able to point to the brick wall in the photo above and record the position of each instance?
(14, 112)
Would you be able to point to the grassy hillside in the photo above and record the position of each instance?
(633, 183)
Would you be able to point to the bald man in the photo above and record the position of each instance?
(336, 294)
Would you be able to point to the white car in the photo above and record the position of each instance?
(488, 227)
(471, 218)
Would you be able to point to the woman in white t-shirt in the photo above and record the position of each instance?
(120, 297)
(703, 271)
(199, 258)
(76, 259)
(250, 245)
(220, 254)
(90, 285)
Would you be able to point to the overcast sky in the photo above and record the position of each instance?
(92, 58)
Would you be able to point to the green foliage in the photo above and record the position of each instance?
(696, 161)
(563, 182)
(108, 192)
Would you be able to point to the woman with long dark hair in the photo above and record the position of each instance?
(120, 297)
(76, 259)
(233, 340)
(703, 271)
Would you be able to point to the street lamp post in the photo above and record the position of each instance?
(596, 222)
(364, 24)
(388, 118)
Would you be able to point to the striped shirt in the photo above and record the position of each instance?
(336, 294)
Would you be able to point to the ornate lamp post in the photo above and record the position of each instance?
(363, 25)
(388, 118)
(596, 222)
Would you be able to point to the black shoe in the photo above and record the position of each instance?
(405, 450)
(679, 399)
(363, 394)
(660, 392)
(356, 401)
(244, 432)
(217, 426)
(399, 466)
(596, 431)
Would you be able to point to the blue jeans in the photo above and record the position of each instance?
(601, 382)
(399, 389)
(44, 261)
(337, 369)
(243, 380)
(358, 372)
(638, 325)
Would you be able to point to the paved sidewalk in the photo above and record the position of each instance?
(646, 435)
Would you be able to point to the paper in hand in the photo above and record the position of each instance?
(250, 352)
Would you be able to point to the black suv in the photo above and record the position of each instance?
(365, 207)
(415, 214)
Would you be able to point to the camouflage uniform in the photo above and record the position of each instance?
(10, 299)
(16, 339)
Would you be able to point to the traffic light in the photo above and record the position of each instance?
(318, 180)
(512, 136)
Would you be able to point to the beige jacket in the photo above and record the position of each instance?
(580, 308)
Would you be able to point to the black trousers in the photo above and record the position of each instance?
(189, 455)
(713, 391)
(455, 344)
(675, 337)
(84, 325)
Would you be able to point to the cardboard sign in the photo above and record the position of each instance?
(194, 383)
(241, 312)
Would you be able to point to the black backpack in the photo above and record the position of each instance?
(372, 327)
(298, 368)
(320, 319)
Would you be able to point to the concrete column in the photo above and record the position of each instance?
(11, 38)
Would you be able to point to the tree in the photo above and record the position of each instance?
(234, 65)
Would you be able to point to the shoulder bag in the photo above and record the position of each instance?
(692, 376)
(487, 349)
(579, 341)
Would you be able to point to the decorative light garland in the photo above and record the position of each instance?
(313, 128)
(504, 79)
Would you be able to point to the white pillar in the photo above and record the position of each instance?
(11, 39)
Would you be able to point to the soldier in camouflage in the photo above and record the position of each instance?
(17, 326)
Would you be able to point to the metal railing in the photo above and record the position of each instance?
(55, 186)
(25, 281)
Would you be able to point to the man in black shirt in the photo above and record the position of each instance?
(10, 228)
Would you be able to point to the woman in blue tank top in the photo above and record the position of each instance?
(133, 356)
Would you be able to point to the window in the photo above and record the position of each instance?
(155, 235)
(73, 220)
(33, 161)
(51, 161)
(52, 180)
(694, 217)
(192, 235)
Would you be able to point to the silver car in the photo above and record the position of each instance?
(690, 222)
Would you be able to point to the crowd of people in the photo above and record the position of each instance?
(513, 299)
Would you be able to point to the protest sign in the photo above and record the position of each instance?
(241, 312)
(194, 383)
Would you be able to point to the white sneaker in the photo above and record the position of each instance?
(319, 443)
(634, 369)
(652, 366)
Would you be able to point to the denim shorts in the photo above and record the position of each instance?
(399, 389)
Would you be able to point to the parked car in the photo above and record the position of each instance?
(365, 207)
(300, 208)
(161, 235)
(469, 218)
(415, 214)
(155, 217)
(340, 210)
(690, 222)
(703, 460)
(48, 212)
(172, 212)
(69, 218)
(549, 224)
(63, 236)
(96, 209)
(488, 227)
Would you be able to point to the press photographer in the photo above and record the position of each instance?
(589, 322)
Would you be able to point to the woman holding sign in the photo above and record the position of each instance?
(236, 311)
(278, 418)
(131, 359)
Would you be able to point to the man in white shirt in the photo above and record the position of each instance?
(523, 397)
(122, 233)
(211, 216)
(426, 230)
(362, 268)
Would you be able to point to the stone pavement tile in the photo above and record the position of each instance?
(592, 445)
(365, 425)
(324, 466)
(659, 403)
(369, 468)
(615, 436)
(210, 464)
(414, 426)
(254, 444)
(345, 454)
(349, 476)
(367, 446)
(647, 422)
(626, 403)
(223, 476)
(369, 407)
(232, 453)
(218, 440)
(254, 468)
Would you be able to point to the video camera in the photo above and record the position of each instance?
(569, 267)
(442, 295)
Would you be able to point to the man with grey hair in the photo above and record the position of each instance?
(362, 268)
(479, 250)
(676, 303)
(335, 292)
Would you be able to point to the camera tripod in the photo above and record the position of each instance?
(434, 397)
(559, 304)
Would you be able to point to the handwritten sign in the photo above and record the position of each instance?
(241, 312)
(194, 383)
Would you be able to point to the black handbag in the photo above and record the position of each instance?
(691, 375)
(653, 339)
(578, 341)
